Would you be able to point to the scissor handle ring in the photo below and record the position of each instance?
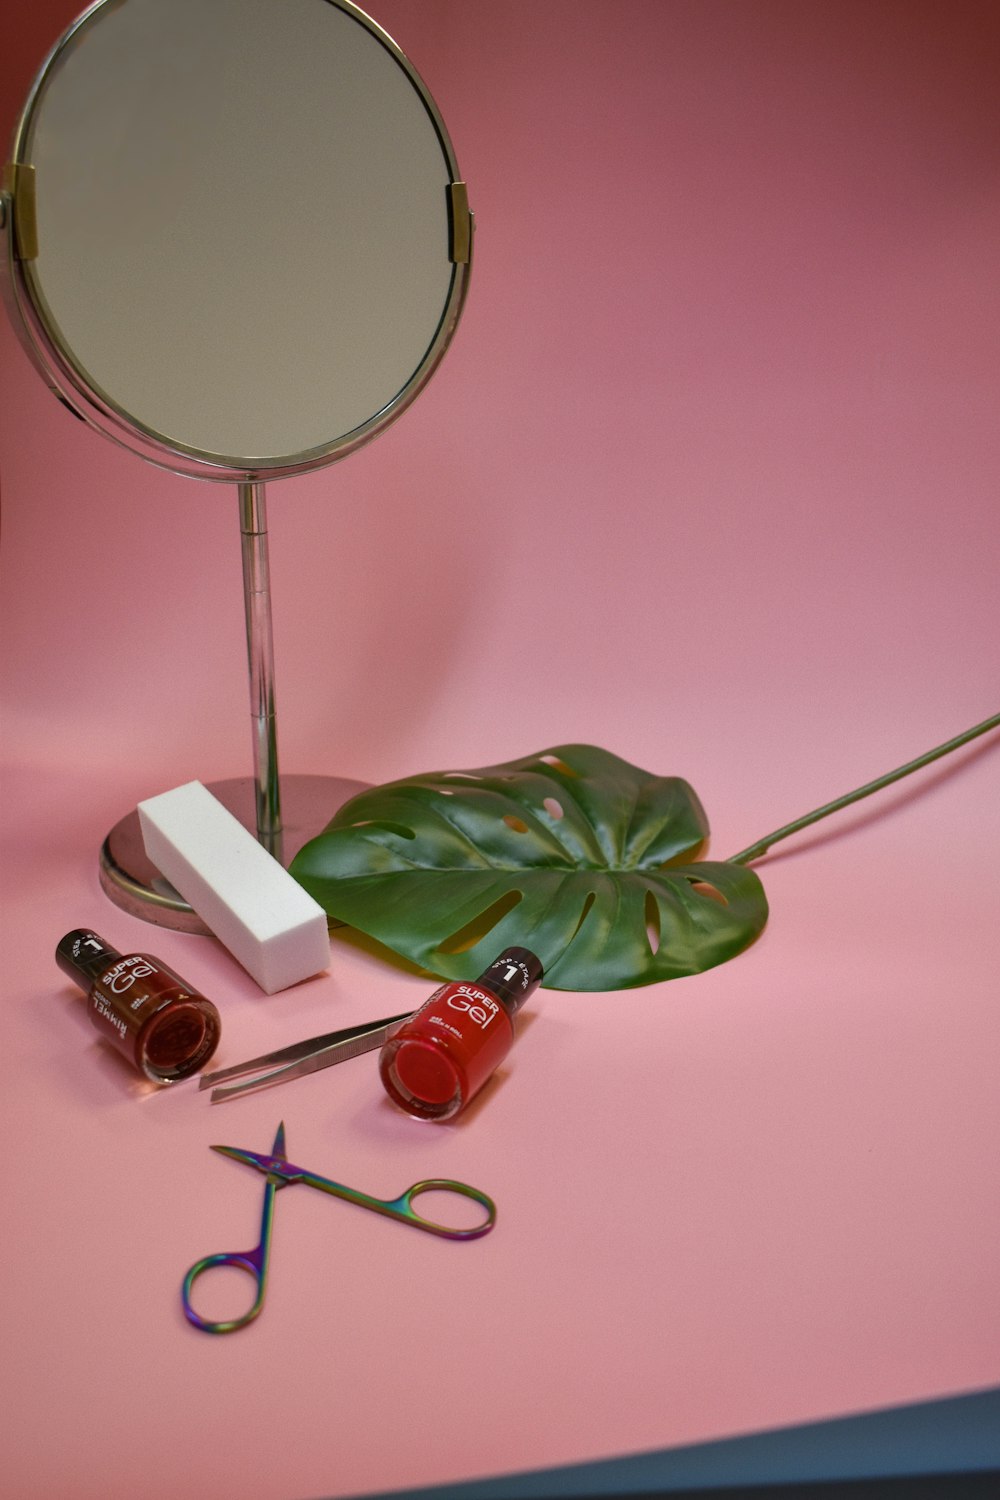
(249, 1262)
(447, 1185)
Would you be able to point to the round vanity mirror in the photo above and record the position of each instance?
(241, 242)
(235, 241)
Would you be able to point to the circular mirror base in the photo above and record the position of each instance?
(133, 883)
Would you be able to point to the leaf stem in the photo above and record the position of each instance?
(762, 845)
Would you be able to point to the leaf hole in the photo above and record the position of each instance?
(584, 914)
(558, 765)
(397, 828)
(518, 824)
(553, 808)
(652, 916)
(702, 888)
(473, 932)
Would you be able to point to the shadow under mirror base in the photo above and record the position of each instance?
(132, 882)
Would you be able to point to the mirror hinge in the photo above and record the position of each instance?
(461, 223)
(19, 182)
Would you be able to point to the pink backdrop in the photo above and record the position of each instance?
(708, 478)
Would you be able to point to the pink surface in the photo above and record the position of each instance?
(709, 478)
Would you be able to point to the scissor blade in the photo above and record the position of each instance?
(248, 1158)
(274, 1166)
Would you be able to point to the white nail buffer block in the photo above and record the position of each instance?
(242, 894)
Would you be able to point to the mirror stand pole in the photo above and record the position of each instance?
(260, 660)
(128, 877)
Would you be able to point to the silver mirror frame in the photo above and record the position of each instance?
(41, 337)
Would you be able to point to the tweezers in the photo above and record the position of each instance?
(301, 1058)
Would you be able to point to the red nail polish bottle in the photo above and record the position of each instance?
(439, 1059)
(164, 1027)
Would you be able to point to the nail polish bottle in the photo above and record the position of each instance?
(164, 1027)
(439, 1059)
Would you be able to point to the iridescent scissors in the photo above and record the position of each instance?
(280, 1173)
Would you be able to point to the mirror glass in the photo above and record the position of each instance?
(247, 251)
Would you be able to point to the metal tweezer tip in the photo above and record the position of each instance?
(300, 1059)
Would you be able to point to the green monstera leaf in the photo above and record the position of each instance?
(573, 853)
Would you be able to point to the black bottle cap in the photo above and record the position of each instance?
(512, 977)
(84, 956)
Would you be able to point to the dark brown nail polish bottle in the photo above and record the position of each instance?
(164, 1027)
